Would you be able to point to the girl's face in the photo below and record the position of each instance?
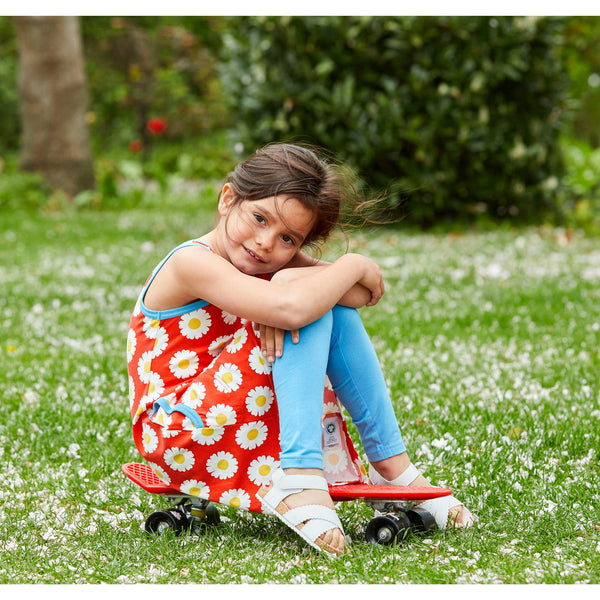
(262, 236)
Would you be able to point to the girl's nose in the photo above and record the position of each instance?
(265, 240)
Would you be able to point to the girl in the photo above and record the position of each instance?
(232, 338)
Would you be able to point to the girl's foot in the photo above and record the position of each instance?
(448, 511)
(300, 498)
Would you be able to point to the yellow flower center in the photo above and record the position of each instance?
(221, 419)
(261, 400)
(252, 434)
(227, 377)
(194, 323)
(223, 464)
(264, 470)
(179, 459)
(184, 364)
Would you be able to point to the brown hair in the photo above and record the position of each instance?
(297, 171)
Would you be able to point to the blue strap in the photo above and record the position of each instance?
(189, 412)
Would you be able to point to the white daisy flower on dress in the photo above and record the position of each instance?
(162, 418)
(131, 344)
(131, 392)
(218, 345)
(195, 324)
(149, 439)
(222, 465)
(156, 386)
(261, 469)
(258, 362)
(331, 408)
(151, 327)
(184, 364)
(145, 367)
(220, 414)
(334, 460)
(228, 317)
(195, 488)
(138, 306)
(259, 400)
(194, 395)
(236, 499)
(160, 473)
(228, 378)
(251, 435)
(179, 459)
(161, 341)
(206, 436)
(239, 339)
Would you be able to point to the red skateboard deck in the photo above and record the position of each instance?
(143, 476)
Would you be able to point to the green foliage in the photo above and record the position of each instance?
(582, 56)
(24, 190)
(581, 204)
(9, 114)
(460, 115)
(143, 67)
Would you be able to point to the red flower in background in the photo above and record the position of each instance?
(156, 125)
(135, 146)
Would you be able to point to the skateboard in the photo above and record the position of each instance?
(395, 507)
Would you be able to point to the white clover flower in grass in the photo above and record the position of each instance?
(131, 344)
(151, 327)
(145, 366)
(236, 499)
(194, 395)
(206, 436)
(258, 362)
(196, 488)
(179, 459)
(220, 415)
(222, 465)
(251, 435)
(238, 341)
(149, 439)
(261, 469)
(184, 364)
(218, 345)
(259, 400)
(195, 324)
(228, 378)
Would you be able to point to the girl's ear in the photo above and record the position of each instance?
(226, 199)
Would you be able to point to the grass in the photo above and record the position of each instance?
(489, 342)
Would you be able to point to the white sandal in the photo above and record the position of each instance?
(315, 519)
(439, 508)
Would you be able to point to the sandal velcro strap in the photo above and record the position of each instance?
(299, 482)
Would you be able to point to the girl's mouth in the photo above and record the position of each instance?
(252, 255)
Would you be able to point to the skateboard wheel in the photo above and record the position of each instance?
(202, 519)
(212, 515)
(387, 530)
(164, 520)
(421, 520)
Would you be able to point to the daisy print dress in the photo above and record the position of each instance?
(202, 401)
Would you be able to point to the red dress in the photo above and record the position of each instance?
(203, 407)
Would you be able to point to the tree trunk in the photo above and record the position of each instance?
(53, 102)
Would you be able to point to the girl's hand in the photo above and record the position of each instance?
(372, 278)
(271, 340)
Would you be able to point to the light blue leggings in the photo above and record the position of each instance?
(337, 345)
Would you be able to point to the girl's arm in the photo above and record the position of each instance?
(287, 302)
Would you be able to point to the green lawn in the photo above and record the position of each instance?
(490, 345)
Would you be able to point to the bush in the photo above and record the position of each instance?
(461, 115)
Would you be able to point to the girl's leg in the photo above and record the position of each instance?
(299, 379)
(357, 379)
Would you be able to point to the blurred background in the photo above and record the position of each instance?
(470, 120)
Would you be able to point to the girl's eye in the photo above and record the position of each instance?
(259, 219)
(288, 240)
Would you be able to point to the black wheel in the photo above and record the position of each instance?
(164, 520)
(421, 520)
(212, 515)
(387, 529)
